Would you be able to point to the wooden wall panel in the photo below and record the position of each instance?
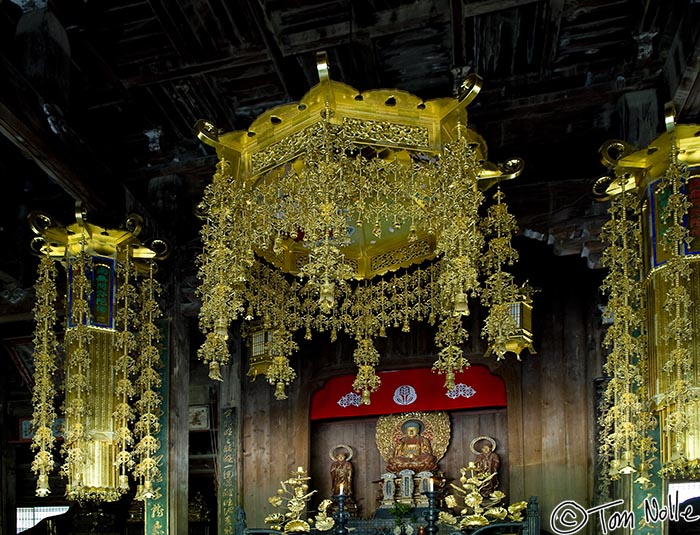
(275, 440)
(550, 397)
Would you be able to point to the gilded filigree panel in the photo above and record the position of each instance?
(387, 133)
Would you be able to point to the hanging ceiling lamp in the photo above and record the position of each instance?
(653, 250)
(111, 370)
(355, 212)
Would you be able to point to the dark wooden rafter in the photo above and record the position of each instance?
(74, 166)
(474, 9)
(551, 36)
(457, 17)
(177, 29)
(213, 66)
(687, 83)
(288, 70)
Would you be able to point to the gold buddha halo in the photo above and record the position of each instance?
(349, 212)
(657, 254)
(112, 357)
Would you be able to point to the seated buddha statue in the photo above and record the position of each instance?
(413, 451)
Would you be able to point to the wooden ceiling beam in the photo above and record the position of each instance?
(184, 43)
(239, 60)
(290, 75)
(475, 9)
(551, 36)
(22, 122)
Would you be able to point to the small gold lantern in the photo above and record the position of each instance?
(260, 357)
(521, 312)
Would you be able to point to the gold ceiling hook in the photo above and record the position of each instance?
(80, 213)
(325, 81)
(670, 116)
(322, 66)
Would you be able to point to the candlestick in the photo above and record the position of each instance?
(341, 516)
(431, 515)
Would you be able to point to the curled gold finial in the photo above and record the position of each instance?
(600, 187)
(511, 168)
(38, 245)
(160, 247)
(39, 222)
(206, 131)
(614, 150)
(469, 88)
(134, 224)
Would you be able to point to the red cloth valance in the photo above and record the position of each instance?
(418, 389)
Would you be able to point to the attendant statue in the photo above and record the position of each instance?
(413, 451)
(487, 463)
(341, 477)
(341, 470)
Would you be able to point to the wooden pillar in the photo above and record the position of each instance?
(178, 465)
(230, 465)
(7, 459)
(166, 202)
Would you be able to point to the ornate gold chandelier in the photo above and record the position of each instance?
(111, 372)
(654, 339)
(356, 212)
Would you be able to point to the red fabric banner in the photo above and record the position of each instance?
(419, 389)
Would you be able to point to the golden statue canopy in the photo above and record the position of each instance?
(353, 212)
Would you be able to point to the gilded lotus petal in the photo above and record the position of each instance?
(275, 501)
(497, 512)
(325, 524)
(447, 518)
(473, 499)
(297, 526)
(274, 518)
(473, 521)
(516, 507)
(296, 505)
(497, 495)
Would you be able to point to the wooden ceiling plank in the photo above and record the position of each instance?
(457, 27)
(227, 21)
(291, 78)
(551, 38)
(236, 61)
(475, 9)
(185, 44)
